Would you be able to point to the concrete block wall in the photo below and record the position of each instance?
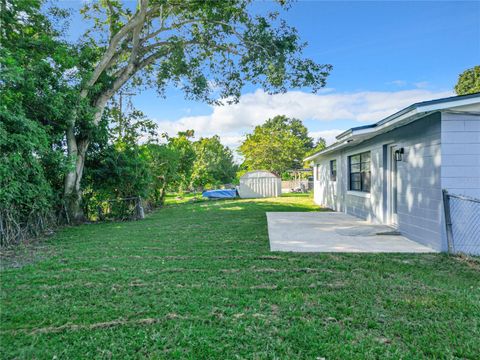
(461, 154)
(419, 181)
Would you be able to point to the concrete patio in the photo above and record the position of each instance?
(334, 232)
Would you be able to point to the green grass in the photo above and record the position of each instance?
(197, 281)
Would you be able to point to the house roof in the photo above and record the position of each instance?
(355, 135)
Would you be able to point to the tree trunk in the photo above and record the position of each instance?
(77, 149)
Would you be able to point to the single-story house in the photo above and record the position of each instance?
(393, 172)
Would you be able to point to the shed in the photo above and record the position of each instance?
(259, 184)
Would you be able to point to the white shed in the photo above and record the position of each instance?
(259, 184)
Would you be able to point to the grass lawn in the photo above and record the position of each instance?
(197, 281)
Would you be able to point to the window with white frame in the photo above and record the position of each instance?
(333, 170)
(359, 172)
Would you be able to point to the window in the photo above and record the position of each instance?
(359, 170)
(333, 170)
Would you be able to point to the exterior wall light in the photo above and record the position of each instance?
(399, 154)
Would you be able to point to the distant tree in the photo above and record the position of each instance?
(183, 146)
(278, 145)
(213, 164)
(468, 81)
(163, 161)
(320, 144)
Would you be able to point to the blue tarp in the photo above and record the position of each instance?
(220, 194)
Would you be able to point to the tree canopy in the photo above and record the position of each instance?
(468, 81)
(278, 145)
(213, 164)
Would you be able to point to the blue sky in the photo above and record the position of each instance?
(386, 55)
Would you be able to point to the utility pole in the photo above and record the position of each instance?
(120, 115)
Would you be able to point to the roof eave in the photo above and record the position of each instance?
(413, 110)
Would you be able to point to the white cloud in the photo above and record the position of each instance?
(328, 135)
(232, 122)
(422, 84)
(398, 82)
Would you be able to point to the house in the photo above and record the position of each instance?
(393, 172)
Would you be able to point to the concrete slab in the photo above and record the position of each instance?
(334, 232)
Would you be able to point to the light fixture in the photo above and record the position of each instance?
(399, 154)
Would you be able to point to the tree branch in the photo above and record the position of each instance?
(134, 22)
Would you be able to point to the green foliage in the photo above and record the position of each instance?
(35, 100)
(164, 163)
(468, 81)
(183, 146)
(213, 164)
(278, 145)
(197, 43)
(320, 144)
(25, 192)
(127, 161)
(119, 167)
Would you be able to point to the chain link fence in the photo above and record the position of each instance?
(462, 220)
(120, 209)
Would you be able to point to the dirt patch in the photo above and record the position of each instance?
(99, 325)
(266, 270)
(275, 309)
(16, 257)
(473, 263)
(269, 257)
(383, 340)
(179, 270)
(265, 287)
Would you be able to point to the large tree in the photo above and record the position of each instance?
(468, 81)
(277, 145)
(197, 46)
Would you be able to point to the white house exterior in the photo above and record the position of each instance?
(393, 172)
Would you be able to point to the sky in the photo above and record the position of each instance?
(386, 55)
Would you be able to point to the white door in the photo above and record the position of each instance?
(393, 187)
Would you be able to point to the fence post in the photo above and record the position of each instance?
(140, 211)
(100, 213)
(448, 220)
